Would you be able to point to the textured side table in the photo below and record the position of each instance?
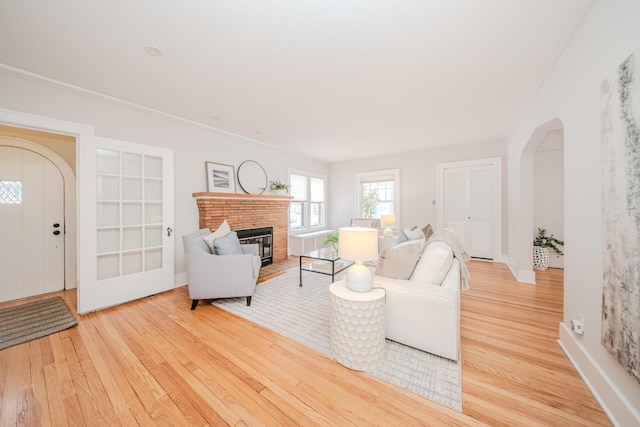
(357, 327)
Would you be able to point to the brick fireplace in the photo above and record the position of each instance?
(244, 211)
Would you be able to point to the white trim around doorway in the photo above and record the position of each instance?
(496, 164)
(30, 121)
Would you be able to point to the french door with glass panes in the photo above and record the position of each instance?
(125, 222)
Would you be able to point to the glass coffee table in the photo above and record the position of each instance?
(324, 261)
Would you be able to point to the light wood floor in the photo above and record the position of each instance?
(155, 362)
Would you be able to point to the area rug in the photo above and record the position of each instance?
(33, 320)
(302, 313)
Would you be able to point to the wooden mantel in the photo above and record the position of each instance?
(206, 195)
(248, 211)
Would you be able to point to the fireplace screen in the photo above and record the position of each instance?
(263, 237)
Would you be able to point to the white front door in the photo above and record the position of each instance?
(31, 224)
(125, 195)
(469, 196)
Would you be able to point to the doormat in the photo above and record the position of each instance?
(33, 320)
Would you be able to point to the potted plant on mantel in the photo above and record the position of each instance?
(541, 245)
(279, 188)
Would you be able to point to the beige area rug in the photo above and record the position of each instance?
(277, 267)
(302, 313)
(33, 320)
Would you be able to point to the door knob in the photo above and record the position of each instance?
(56, 232)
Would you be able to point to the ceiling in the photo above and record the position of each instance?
(330, 79)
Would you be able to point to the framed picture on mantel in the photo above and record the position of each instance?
(220, 178)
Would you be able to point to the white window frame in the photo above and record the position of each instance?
(372, 174)
(307, 209)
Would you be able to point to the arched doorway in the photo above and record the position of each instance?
(526, 225)
(69, 203)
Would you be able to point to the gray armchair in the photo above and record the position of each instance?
(219, 276)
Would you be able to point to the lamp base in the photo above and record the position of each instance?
(359, 278)
(388, 232)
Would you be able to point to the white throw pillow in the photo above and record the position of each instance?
(434, 264)
(222, 231)
(414, 233)
(398, 262)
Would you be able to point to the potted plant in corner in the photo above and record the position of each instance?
(541, 245)
(279, 188)
(332, 239)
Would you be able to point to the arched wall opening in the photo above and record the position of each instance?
(526, 226)
(69, 179)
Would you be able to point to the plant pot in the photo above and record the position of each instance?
(280, 192)
(540, 258)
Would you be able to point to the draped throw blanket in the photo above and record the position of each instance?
(450, 238)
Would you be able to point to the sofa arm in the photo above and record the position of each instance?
(452, 279)
(422, 315)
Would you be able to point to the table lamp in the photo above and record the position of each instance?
(358, 244)
(387, 221)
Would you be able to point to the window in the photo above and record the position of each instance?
(307, 209)
(10, 192)
(377, 193)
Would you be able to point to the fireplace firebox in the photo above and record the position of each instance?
(263, 237)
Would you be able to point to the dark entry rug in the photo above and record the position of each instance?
(33, 320)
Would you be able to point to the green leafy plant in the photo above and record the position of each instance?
(331, 239)
(548, 241)
(370, 204)
(278, 185)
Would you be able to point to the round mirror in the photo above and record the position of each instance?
(252, 177)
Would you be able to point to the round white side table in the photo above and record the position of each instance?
(357, 327)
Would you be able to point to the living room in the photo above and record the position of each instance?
(568, 97)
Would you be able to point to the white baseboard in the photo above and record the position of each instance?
(524, 276)
(180, 279)
(527, 276)
(614, 404)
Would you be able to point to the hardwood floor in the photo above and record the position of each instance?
(155, 362)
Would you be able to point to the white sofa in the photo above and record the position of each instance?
(422, 314)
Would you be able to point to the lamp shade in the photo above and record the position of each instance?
(387, 220)
(358, 243)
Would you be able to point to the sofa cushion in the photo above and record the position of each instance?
(227, 245)
(434, 264)
(398, 262)
(222, 231)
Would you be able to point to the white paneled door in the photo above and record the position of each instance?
(31, 225)
(125, 222)
(470, 205)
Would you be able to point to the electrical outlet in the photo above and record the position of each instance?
(577, 325)
(582, 321)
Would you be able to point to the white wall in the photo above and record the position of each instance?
(417, 181)
(608, 34)
(548, 199)
(192, 144)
